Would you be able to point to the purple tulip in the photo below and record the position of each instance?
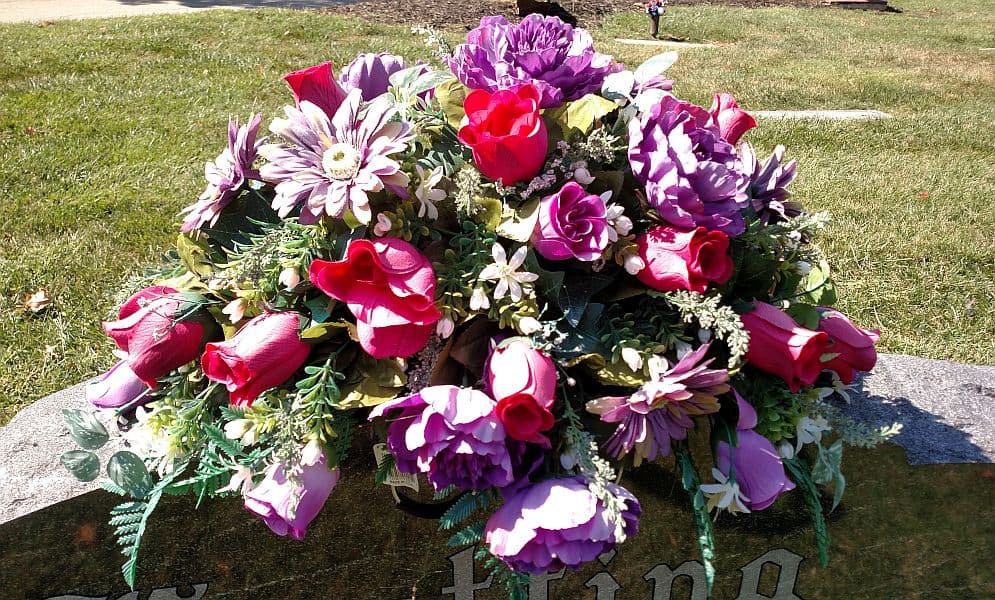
(452, 435)
(756, 463)
(370, 73)
(287, 506)
(557, 523)
(116, 388)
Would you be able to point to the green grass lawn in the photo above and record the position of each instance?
(105, 126)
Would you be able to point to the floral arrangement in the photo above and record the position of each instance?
(521, 271)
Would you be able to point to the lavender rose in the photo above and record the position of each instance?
(693, 177)
(572, 224)
(558, 523)
(452, 435)
(546, 52)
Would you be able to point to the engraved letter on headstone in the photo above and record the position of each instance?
(786, 578)
(539, 584)
(663, 578)
(464, 588)
(605, 586)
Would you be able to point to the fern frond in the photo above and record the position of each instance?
(469, 535)
(464, 506)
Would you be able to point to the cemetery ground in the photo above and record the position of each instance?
(105, 126)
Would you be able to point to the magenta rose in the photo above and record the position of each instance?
(684, 260)
(288, 505)
(778, 345)
(732, 120)
(118, 387)
(523, 381)
(263, 354)
(150, 331)
(318, 86)
(506, 133)
(853, 346)
(572, 224)
(757, 465)
(390, 289)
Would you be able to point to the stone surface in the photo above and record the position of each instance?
(665, 43)
(831, 115)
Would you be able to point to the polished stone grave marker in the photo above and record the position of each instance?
(902, 531)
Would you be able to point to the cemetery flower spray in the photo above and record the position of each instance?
(524, 272)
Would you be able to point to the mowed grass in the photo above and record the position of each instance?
(105, 126)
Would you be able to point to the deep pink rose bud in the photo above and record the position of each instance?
(758, 467)
(288, 506)
(572, 224)
(263, 354)
(150, 332)
(733, 121)
(318, 86)
(116, 388)
(390, 288)
(855, 346)
(684, 260)
(515, 367)
(506, 133)
(781, 347)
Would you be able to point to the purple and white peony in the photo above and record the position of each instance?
(555, 57)
(225, 175)
(330, 166)
(450, 434)
(558, 523)
(692, 176)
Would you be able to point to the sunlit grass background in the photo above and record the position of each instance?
(105, 126)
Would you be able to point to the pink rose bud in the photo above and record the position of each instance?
(390, 288)
(733, 121)
(288, 506)
(318, 86)
(116, 388)
(148, 329)
(778, 345)
(506, 133)
(684, 260)
(855, 346)
(523, 381)
(572, 224)
(263, 354)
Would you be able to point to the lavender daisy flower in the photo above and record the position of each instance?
(331, 165)
(226, 175)
(546, 52)
(558, 523)
(769, 184)
(662, 408)
(452, 435)
(693, 177)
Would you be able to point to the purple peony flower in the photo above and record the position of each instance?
(370, 73)
(546, 52)
(693, 177)
(557, 523)
(662, 408)
(330, 165)
(226, 175)
(572, 224)
(769, 185)
(452, 435)
(756, 465)
(288, 504)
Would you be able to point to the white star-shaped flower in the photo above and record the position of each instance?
(837, 387)
(809, 430)
(505, 272)
(724, 495)
(428, 193)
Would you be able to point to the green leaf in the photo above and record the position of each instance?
(692, 485)
(805, 314)
(470, 535)
(319, 306)
(518, 224)
(127, 470)
(802, 477)
(85, 429)
(818, 285)
(84, 465)
(580, 115)
(450, 96)
(322, 332)
(827, 467)
(196, 254)
(576, 292)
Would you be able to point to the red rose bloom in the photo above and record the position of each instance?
(853, 346)
(318, 86)
(524, 419)
(684, 260)
(732, 120)
(506, 133)
(781, 347)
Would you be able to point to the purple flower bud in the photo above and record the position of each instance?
(116, 388)
(288, 505)
(370, 73)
